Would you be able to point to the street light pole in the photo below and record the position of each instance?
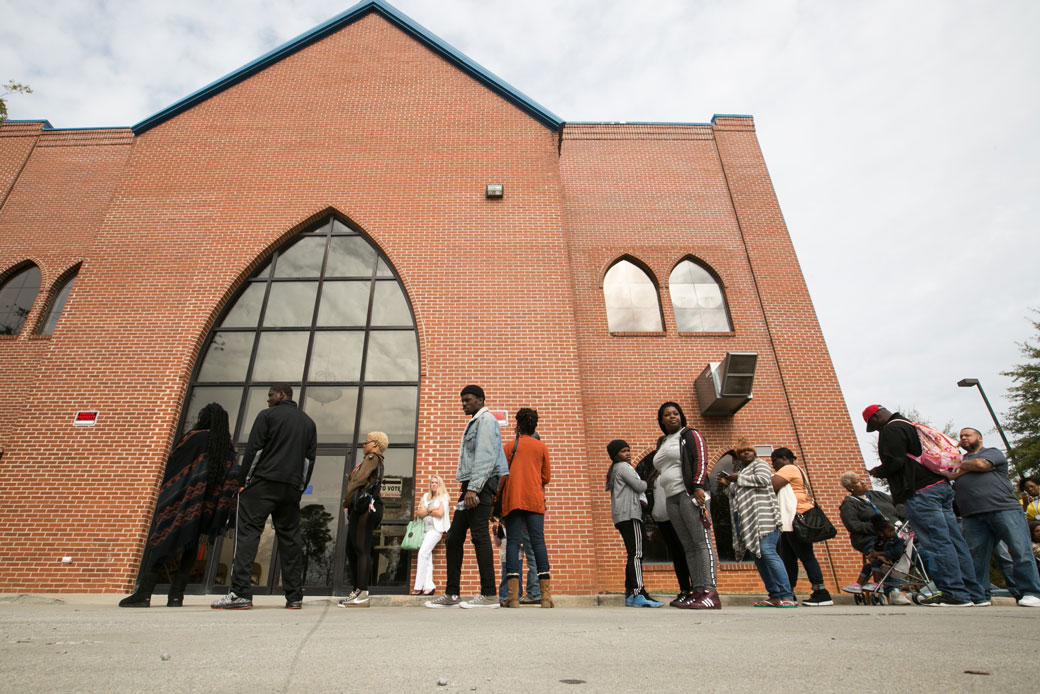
(968, 383)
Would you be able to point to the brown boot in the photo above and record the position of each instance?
(513, 597)
(546, 589)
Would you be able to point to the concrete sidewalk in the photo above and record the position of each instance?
(84, 643)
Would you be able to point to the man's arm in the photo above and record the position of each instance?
(259, 435)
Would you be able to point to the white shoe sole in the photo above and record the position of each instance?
(489, 606)
(825, 603)
(440, 607)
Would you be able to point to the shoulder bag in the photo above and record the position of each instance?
(813, 525)
(413, 535)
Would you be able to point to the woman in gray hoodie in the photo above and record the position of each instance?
(626, 511)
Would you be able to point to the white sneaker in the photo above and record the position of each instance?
(984, 603)
(348, 601)
(487, 601)
(1029, 601)
(898, 597)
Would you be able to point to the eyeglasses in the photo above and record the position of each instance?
(369, 441)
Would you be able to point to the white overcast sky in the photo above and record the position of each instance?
(901, 136)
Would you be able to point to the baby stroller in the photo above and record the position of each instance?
(908, 573)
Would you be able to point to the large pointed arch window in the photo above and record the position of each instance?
(17, 295)
(697, 298)
(327, 315)
(631, 299)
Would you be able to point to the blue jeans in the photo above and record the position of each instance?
(983, 531)
(771, 568)
(532, 591)
(930, 512)
(535, 522)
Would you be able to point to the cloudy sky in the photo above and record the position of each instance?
(900, 136)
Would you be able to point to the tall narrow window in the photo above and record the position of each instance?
(16, 299)
(61, 295)
(631, 299)
(700, 306)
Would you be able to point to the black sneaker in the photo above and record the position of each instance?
(940, 600)
(233, 602)
(819, 598)
(294, 604)
(682, 596)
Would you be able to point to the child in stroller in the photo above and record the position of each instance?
(888, 558)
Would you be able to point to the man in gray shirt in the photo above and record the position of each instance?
(991, 513)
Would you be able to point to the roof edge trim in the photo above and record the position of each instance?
(349, 16)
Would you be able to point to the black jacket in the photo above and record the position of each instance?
(693, 454)
(904, 475)
(856, 515)
(287, 441)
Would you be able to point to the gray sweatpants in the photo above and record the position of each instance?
(695, 538)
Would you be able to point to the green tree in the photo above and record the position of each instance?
(1023, 419)
(11, 87)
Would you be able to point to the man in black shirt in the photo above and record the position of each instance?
(928, 499)
(278, 462)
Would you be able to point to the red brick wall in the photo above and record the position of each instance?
(371, 124)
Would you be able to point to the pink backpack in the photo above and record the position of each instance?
(939, 453)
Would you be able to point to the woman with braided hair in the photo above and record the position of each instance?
(195, 500)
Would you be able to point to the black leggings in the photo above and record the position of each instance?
(632, 533)
(678, 556)
(360, 529)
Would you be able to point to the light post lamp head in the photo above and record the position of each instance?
(968, 382)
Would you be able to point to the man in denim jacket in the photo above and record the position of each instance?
(482, 463)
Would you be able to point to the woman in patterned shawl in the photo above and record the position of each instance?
(195, 500)
(756, 521)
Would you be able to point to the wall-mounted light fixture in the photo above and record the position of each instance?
(723, 388)
(494, 190)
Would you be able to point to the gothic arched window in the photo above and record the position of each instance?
(697, 298)
(17, 295)
(631, 299)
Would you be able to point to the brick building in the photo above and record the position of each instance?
(322, 216)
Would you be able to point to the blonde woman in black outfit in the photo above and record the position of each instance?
(364, 514)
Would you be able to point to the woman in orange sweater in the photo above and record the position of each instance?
(523, 503)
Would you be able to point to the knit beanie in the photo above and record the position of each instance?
(473, 390)
(614, 447)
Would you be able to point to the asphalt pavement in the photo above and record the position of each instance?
(84, 643)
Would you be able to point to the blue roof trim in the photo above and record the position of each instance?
(391, 14)
(46, 123)
(729, 115)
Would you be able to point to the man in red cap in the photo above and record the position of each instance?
(928, 499)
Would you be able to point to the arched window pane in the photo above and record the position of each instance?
(16, 299)
(631, 300)
(389, 306)
(227, 397)
(392, 356)
(333, 409)
(344, 304)
(350, 256)
(246, 311)
(391, 410)
(280, 356)
(302, 260)
(336, 356)
(290, 304)
(227, 357)
(697, 299)
(50, 321)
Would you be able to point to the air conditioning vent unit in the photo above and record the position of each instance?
(724, 387)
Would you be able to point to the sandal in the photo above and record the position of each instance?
(787, 603)
(768, 603)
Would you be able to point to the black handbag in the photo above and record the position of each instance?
(813, 525)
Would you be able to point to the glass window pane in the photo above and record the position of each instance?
(302, 260)
(280, 357)
(228, 398)
(256, 402)
(319, 520)
(708, 295)
(57, 305)
(389, 305)
(390, 409)
(350, 256)
(688, 320)
(290, 304)
(339, 227)
(398, 471)
(392, 356)
(633, 320)
(344, 304)
(683, 296)
(246, 311)
(715, 320)
(333, 410)
(227, 357)
(16, 299)
(336, 356)
(383, 270)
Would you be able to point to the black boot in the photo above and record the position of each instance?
(176, 595)
(142, 597)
